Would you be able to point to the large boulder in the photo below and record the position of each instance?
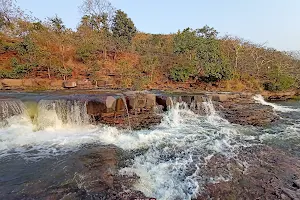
(70, 84)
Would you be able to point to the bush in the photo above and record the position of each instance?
(181, 72)
(18, 70)
(280, 82)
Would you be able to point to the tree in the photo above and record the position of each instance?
(57, 24)
(8, 12)
(100, 12)
(123, 27)
(186, 42)
(216, 66)
(207, 32)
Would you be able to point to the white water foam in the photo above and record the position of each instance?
(260, 99)
(169, 157)
(173, 154)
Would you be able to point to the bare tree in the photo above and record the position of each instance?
(98, 9)
(9, 11)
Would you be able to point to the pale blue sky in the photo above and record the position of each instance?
(275, 22)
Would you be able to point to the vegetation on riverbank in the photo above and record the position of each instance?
(107, 49)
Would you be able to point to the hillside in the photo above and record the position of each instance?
(109, 52)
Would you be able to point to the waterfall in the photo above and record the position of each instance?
(11, 107)
(208, 105)
(127, 112)
(260, 99)
(56, 113)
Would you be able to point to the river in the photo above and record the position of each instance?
(43, 155)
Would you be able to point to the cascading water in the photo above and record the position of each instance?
(11, 107)
(55, 113)
(170, 159)
(260, 99)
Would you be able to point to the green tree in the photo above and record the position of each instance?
(57, 24)
(123, 27)
(215, 65)
(207, 32)
(185, 42)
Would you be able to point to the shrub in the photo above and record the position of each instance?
(181, 72)
(18, 70)
(280, 82)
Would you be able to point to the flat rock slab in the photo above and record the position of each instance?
(269, 174)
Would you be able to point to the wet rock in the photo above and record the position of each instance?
(120, 105)
(136, 101)
(187, 99)
(110, 103)
(92, 173)
(164, 101)
(96, 109)
(297, 183)
(279, 96)
(290, 193)
(268, 173)
(245, 111)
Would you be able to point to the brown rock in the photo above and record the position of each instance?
(220, 97)
(70, 84)
(84, 84)
(29, 83)
(150, 100)
(96, 108)
(268, 175)
(110, 103)
(120, 105)
(164, 101)
(187, 99)
(12, 83)
(137, 101)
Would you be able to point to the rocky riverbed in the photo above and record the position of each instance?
(165, 146)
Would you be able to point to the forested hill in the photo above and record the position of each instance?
(107, 49)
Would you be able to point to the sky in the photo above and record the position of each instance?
(274, 23)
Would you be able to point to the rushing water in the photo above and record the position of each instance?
(169, 159)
